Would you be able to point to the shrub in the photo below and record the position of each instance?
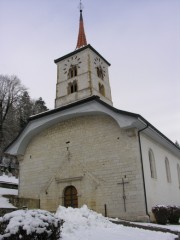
(173, 214)
(30, 225)
(161, 214)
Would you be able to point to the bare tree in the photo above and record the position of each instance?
(11, 91)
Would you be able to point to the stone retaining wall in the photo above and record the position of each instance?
(23, 202)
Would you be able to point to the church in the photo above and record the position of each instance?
(85, 151)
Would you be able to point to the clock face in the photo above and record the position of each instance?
(72, 61)
(99, 64)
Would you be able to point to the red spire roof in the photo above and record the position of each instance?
(81, 42)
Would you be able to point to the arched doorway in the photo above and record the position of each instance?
(70, 197)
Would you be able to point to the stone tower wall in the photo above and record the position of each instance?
(87, 79)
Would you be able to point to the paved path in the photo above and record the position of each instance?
(151, 228)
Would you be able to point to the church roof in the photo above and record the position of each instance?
(79, 50)
(85, 100)
(87, 106)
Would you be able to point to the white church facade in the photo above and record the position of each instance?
(85, 151)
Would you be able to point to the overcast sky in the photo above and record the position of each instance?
(140, 38)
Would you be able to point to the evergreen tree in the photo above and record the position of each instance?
(25, 109)
(177, 144)
(39, 106)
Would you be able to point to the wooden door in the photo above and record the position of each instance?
(70, 197)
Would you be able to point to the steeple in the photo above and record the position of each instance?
(82, 73)
(81, 42)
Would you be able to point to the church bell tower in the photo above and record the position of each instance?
(82, 73)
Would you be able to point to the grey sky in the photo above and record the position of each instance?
(140, 38)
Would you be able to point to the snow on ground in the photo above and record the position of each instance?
(8, 191)
(5, 178)
(82, 223)
(4, 202)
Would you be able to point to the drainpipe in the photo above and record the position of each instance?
(145, 197)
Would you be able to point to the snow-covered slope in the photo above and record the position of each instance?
(85, 224)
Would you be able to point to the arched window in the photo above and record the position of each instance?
(100, 72)
(152, 164)
(70, 197)
(178, 172)
(101, 89)
(72, 71)
(168, 172)
(72, 87)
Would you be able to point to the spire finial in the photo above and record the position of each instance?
(81, 36)
(80, 6)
